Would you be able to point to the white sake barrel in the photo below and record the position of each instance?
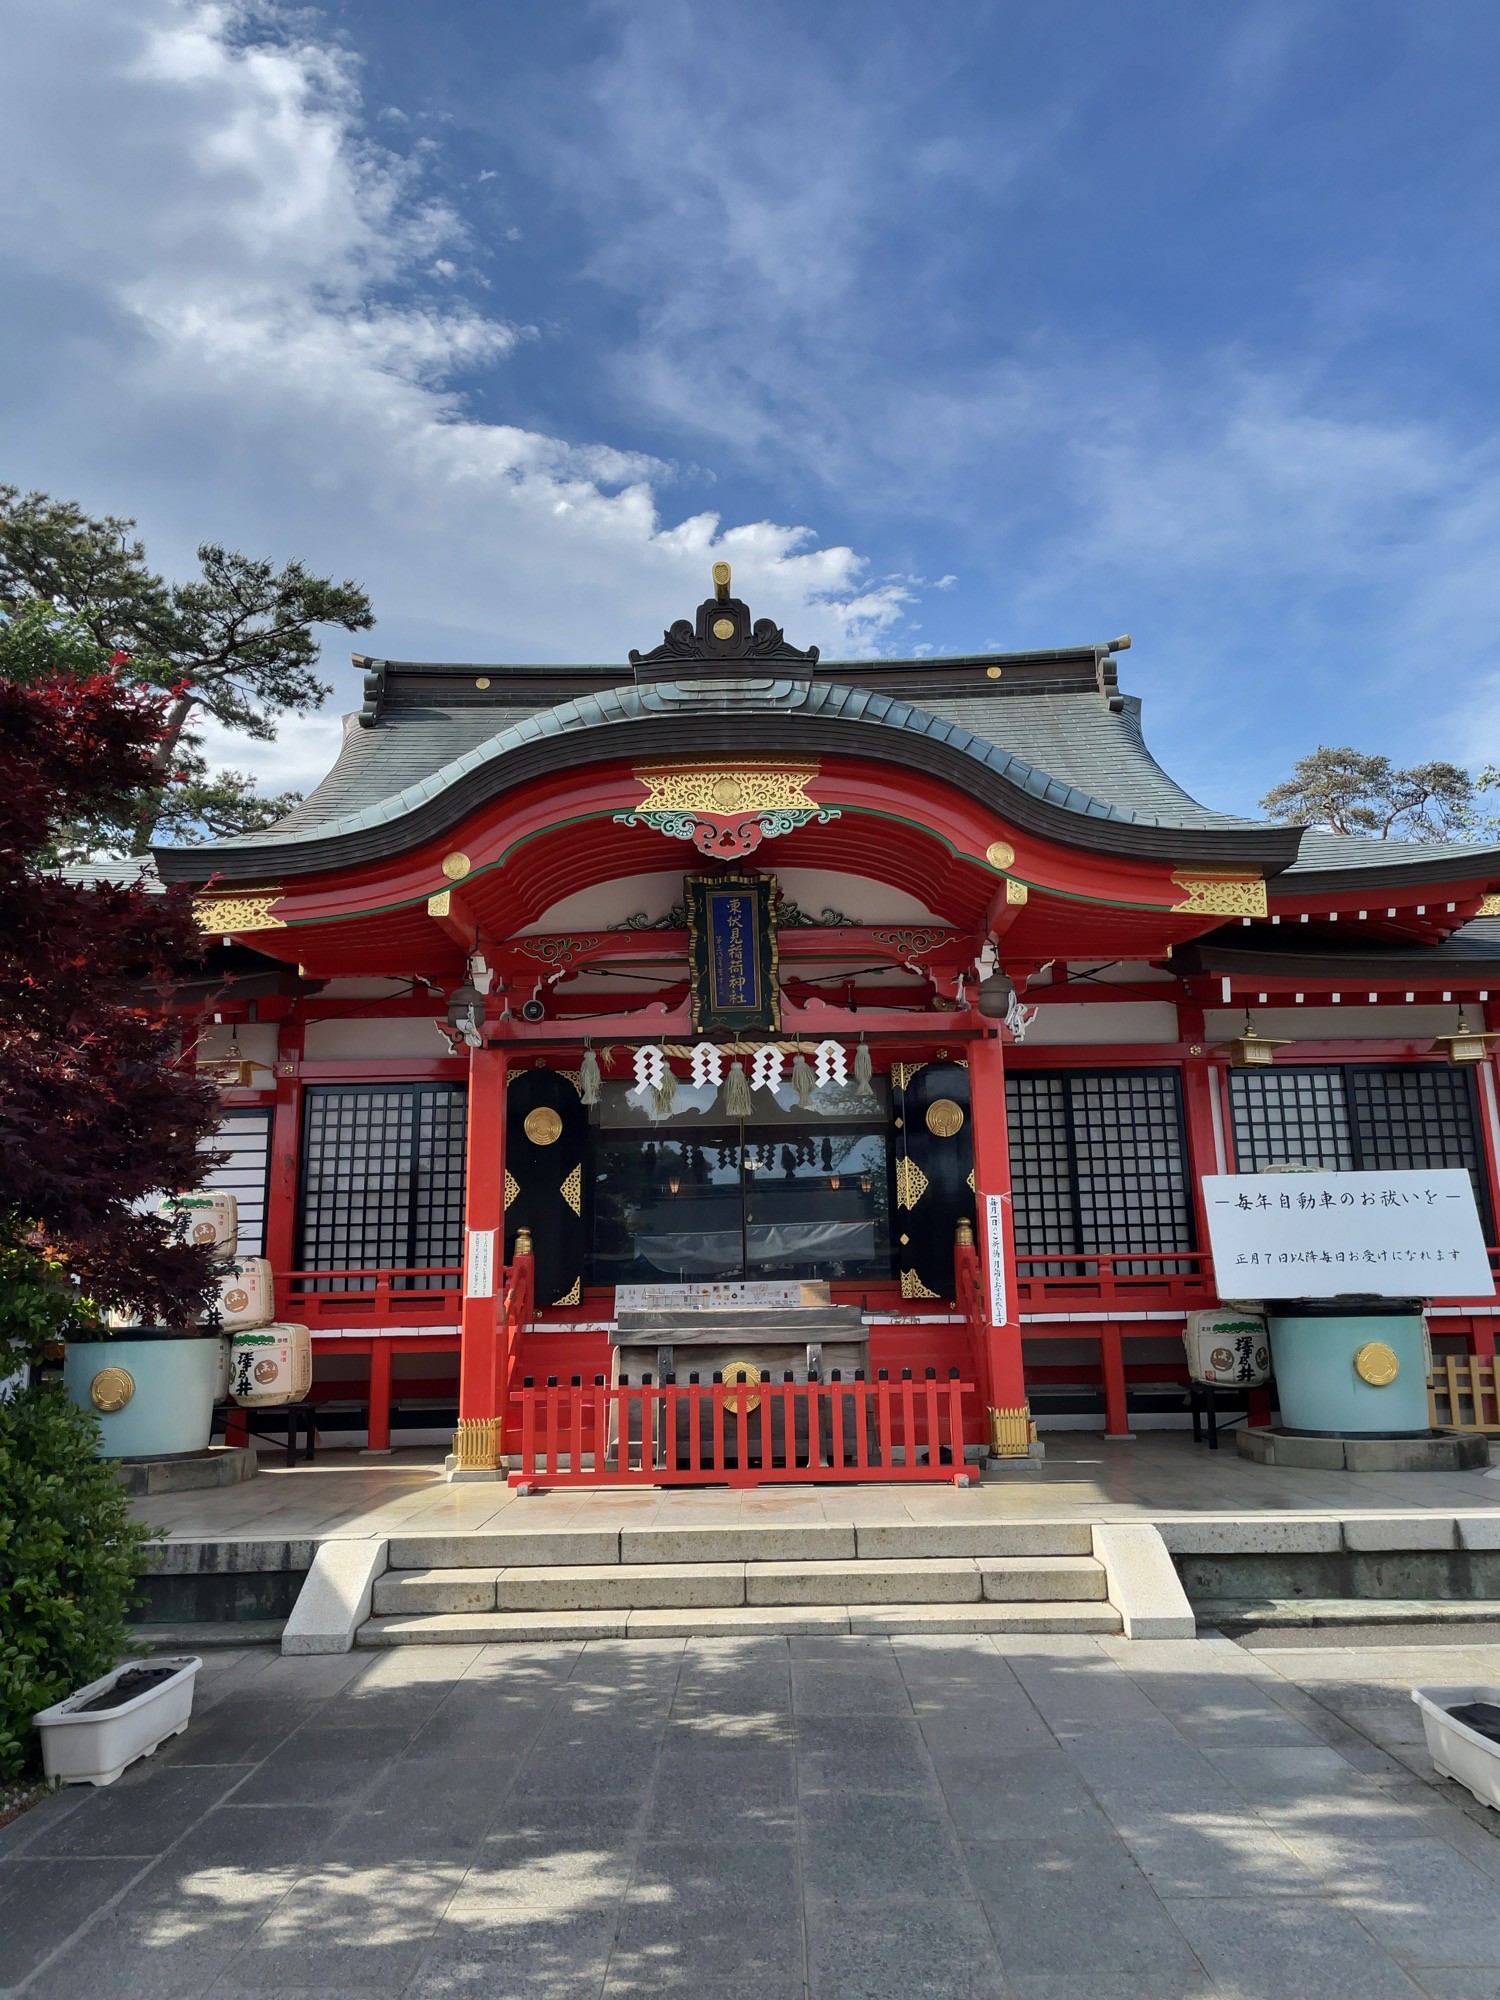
(246, 1295)
(271, 1364)
(1228, 1348)
(206, 1218)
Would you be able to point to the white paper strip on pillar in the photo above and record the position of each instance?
(481, 1272)
(994, 1236)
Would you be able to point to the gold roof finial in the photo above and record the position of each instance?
(721, 581)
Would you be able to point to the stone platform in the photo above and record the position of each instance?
(1452, 1451)
(220, 1465)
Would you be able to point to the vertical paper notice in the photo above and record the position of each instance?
(481, 1283)
(994, 1236)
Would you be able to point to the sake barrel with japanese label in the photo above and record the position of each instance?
(209, 1219)
(1228, 1348)
(270, 1364)
(246, 1297)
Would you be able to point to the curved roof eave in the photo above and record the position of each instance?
(733, 719)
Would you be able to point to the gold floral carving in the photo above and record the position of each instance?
(440, 904)
(574, 1076)
(725, 789)
(512, 1187)
(913, 1288)
(572, 1190)
(1221, 896)
(1017, 895)
(902, 1073)
(572, 1296)
(972, 1188)
(225, 916)
(1489, 906)
(911, 1182)
(557, 948)
(912, 943)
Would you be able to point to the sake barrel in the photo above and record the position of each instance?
(270, 1364)
(246, 1296)
(1228, 1348)
(205, 1218)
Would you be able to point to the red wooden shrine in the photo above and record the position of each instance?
(983, 882)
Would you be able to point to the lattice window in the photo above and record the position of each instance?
(1098, 1164)
(1360, 1117)
(382, 1181)
(1296, 1117)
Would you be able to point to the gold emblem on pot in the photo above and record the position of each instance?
(1376, 1364)
(111, 1389)
(944, 1118)
(1221, 1358)
(731, 1372)
(265, 1371)
(236, 1301)
(543, 1127)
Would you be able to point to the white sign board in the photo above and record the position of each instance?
(994, 1238)
(721, 1295)
(1321, 1235)
(481, 1277)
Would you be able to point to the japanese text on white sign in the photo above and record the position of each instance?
(1322, 1235)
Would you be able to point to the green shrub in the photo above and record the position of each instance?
(70, 1555)
(70, 1552)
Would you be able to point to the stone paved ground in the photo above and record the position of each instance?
(832, 1817)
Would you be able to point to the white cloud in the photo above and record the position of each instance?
(226, 334)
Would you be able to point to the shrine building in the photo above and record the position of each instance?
(885, 1012)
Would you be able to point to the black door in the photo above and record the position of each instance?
(545, 1130)
(934, 1173)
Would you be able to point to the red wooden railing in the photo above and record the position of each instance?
(418, 1295)
(739, 1433)
(516, 1310)
(968, 1294)
(1116, 1279)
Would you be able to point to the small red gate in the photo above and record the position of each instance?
(741, 1433)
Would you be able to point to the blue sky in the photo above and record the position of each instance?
(956, 326)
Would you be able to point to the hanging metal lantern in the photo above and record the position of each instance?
(1469, 1045)
(1249, 1050)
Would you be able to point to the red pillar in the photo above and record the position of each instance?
(1011, 1428)
(484, 1256)
(379, 1438)
(286, 1144)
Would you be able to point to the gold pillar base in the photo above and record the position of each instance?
(1012, 1432)
(474, 1444)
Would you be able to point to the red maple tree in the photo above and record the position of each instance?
(96, 1111)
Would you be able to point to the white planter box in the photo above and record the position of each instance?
(95, 1749)
(1459, 1751)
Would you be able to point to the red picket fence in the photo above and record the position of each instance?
(740, 1433)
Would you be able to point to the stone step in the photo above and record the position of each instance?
(781, 1542)
(628, 1587)
(734, 1621)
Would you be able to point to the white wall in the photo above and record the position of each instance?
(350, 1041)
(1059, 1024)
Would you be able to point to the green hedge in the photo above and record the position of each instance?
(70, 1554)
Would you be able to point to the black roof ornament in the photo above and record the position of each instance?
(721, 640)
